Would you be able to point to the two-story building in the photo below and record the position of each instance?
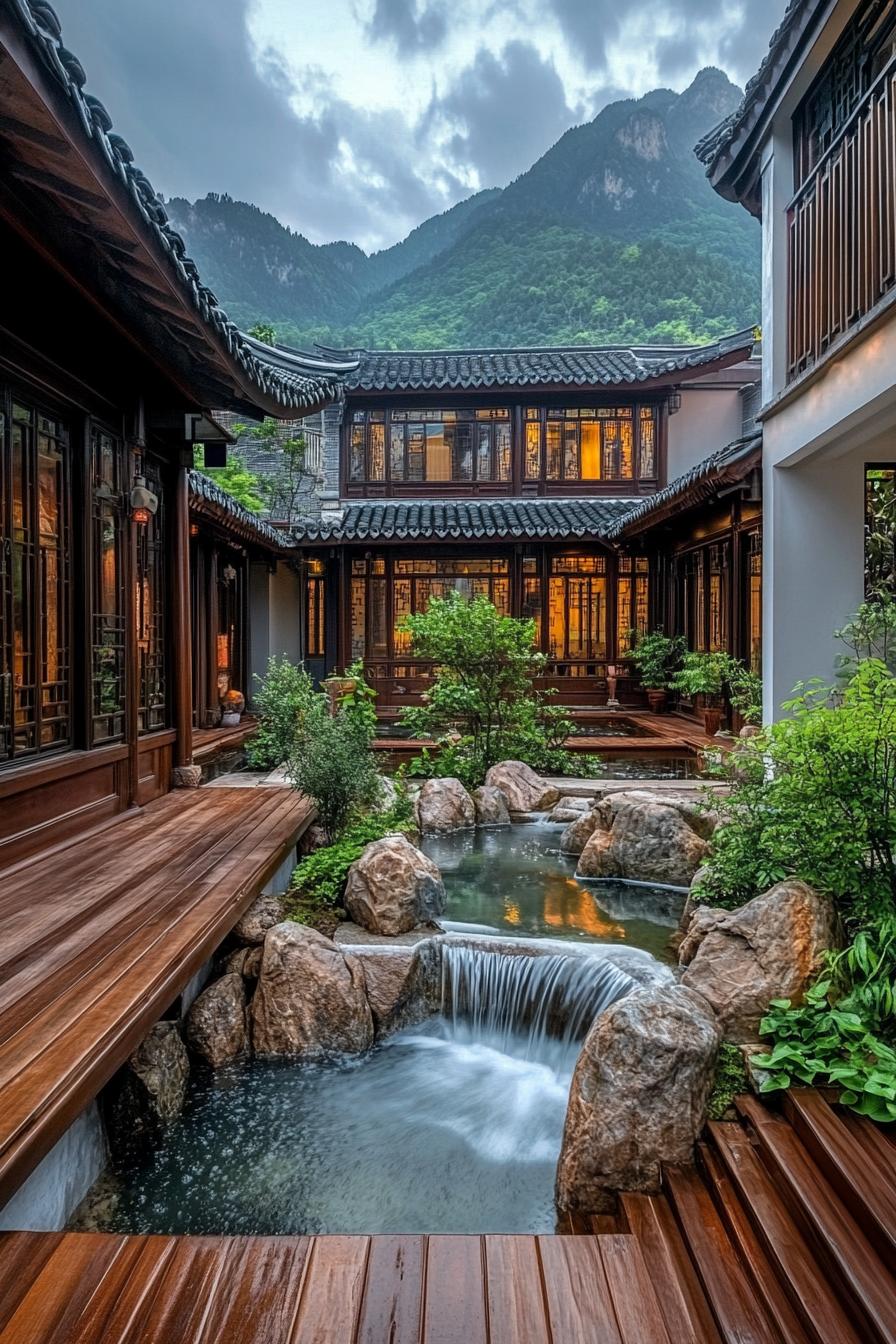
(507, 473)
(812, 154)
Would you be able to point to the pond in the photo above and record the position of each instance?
(453, 1125)
(450, 1126)
(514, 881)
(649, 765)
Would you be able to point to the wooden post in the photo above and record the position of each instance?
(184, 773)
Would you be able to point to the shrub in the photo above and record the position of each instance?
(319, 879)
(745, 691)
(657, 657)
(283, 700)
(702, 674)
(333, 764)
(483, 706)
(817, 801)
(729, 1081)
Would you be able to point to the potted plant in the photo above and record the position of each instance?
(657, 657)
(705, 674)
(232, 705)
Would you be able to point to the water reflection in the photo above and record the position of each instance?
(516, 881)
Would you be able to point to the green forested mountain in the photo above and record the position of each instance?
(613, 235)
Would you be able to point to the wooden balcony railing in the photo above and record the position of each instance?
(842, 230)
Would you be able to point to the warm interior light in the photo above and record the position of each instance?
(141, 516)
(223, 659)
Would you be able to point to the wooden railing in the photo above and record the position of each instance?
(841, 228)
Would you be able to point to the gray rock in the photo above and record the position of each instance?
(444, 805)
(648, 842)
(578, 833)
(524, 790)
(394, 887)
(217, 1023)
(770, 948)
(149, 1092)
(387, 794)
(491, 806)
(311, 999)
(263, 914)
(395, 989)
(638, 1095)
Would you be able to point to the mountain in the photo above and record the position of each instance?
(613, 235)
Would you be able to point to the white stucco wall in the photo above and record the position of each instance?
(285, 614)
(709, 419)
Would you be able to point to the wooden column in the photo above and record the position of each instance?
(181, 623)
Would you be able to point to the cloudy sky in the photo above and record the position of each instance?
(358, 119)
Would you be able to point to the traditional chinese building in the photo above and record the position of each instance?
(124, 589)
(511, 473)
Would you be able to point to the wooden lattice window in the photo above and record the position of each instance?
(315, 610)
(577, 608)
(632, 600)
(150, 608)
(35, 581)
(108, 616)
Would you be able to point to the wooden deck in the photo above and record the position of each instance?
(211, 742)
(101, 935)
(97, 1289)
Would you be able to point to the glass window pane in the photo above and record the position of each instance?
(397, 452)
(356, 455)
(484, 453)
(502, 452)
(461, 439)
(376, 450)
(647, 455)
(571, 452)
(590, 431)
(416, 452)
(533, 451)
(359, 606)
(438, 453)
(554, 431)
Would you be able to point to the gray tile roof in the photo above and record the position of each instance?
(797, 17)
(208, 499)
(569, 366)
(479, 520)
(723, 467)
(295, 382)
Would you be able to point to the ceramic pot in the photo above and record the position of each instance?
(657, 701)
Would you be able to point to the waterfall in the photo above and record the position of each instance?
(537, 1001)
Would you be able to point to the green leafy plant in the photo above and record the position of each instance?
(816, 800)
(657, 658)
(282, 701)
(236, 479)
(483, 706)
(319, 880)
(871, 633)
(729, 1081)
(744, 691)
(822, 1041)
(703, 674)
(332, 762)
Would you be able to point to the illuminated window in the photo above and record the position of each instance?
(430, 445)
(632, 600)
(577, 608)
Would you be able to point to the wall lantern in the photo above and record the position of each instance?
(143, 502)
(674, 402)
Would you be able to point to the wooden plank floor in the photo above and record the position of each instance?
(86, 1288)
(100, 937)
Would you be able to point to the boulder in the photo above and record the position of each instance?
(524, 790)
(217, 1024)
(638, 1095)
(393, 887)
(649, 842)
(148, 1092)
(491, 806)
(578, 833)
(264, 912)
(311, 999)
(444, 805)
(569, 809)
(770, 948)
(394, 992)
(245, 961)
(386, 794)
(314, 838)
(701, 819)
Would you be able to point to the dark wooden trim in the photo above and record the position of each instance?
(67, 765)
(181, 624)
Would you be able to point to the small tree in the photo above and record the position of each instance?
(282, 703)
(283, 487)
(264, 332)
(483, 687)
(236, 479)
(332, 762)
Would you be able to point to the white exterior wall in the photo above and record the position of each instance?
(57, 1185)
(275, 615)
(710, 418)
(816, 442)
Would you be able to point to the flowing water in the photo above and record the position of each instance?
(452, 1126)
(514, 881)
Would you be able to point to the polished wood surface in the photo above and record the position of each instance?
(101, 936)
(93, 1288)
